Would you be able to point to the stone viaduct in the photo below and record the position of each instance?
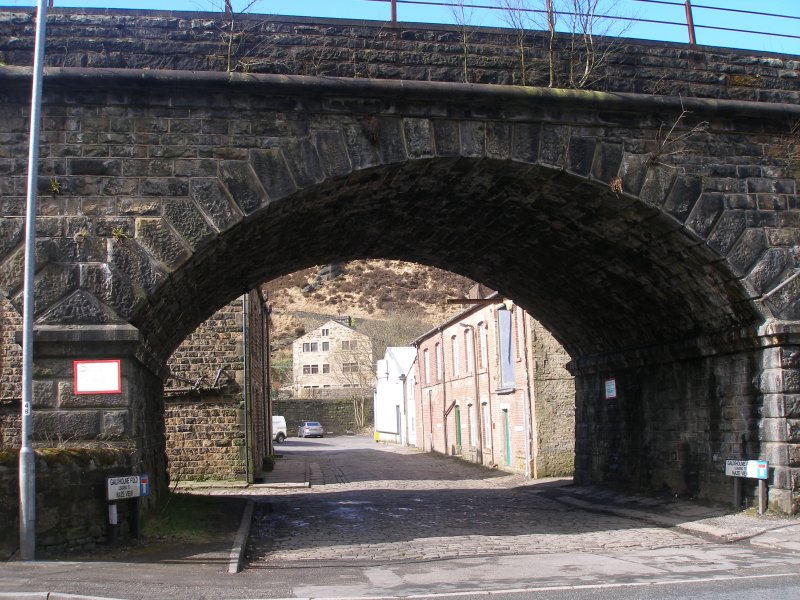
(651, 223)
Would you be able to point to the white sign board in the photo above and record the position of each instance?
(751, 469)
(127, 487)
(611, 389)
(97, 376)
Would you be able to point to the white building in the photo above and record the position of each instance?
(394, 409)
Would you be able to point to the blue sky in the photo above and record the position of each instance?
(663, 10)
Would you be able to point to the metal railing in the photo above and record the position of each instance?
(689, 23)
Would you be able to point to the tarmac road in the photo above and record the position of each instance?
(344, 517)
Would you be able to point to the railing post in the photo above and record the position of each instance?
(394, 11)
(690, 22)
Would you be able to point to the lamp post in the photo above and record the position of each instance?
(27, 463)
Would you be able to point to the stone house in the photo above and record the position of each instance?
(332, 361)
(490, 385)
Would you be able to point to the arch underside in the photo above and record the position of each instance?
(603, 271)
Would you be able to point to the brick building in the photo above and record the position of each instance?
(490, 386)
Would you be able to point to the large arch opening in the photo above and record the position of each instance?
(603, 271)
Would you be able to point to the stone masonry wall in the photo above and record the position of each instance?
(187, 41)
(71, 491)
(336, 416)
(212, 355)
(554, 401)
(205, 437)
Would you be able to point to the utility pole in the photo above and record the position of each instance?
(27, 462)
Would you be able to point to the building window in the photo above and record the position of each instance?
(326, 332)
(454, 342)
(506, 349)
(348, 344)
(426, 359)
(310, 347)
(310, 369)
(468, 346)
(482, 333)
(326, 346)
(439, 359)
(326, 368)
(349, 367)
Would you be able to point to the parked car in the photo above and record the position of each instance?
(278, 429)
(310, 429)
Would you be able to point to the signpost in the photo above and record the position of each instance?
(126, 487)
(748, 469)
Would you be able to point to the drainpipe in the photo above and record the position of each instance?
(246, 383)
(489, 385)
(444, 390)
(479, 427)
(266, 376)
(529, 407)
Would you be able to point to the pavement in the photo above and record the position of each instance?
(299, 473)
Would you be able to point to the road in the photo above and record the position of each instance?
(388, 521)
(380, 521)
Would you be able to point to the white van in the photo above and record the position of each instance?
(278, 429)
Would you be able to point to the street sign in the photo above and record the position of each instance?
(751, 469)
(127, 487)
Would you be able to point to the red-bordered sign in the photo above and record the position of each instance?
(97, 376)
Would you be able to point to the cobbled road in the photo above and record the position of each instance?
(371, 503)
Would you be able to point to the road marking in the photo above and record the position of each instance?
(554, 588)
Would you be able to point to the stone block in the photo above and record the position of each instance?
(68, 399)
(271, 168)
(553, 146)
(187, 220)
(748, 250)
(419, 137)
(115, 423)
(498, 140)
(729, 228)
(768, 268)
(705, 213)
(657, 183)
(333, 153)
(775, 453)
(771, 430)
(607, 161)
(303, 161)
(473, 138)
(389, 138)
(44, 394)
(525, 144)
(214, 201)
(580, 154)
(158, 238)
(65, 425)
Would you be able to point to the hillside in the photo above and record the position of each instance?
(370, 291)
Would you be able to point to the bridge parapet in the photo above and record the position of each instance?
(197, 42)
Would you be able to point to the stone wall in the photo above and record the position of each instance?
(212, 355)
(205, 436)
(554, 404)
(128, 39)
(336, 416)
(671, 428)
(71, 511)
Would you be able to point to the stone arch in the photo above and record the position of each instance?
(635, 254)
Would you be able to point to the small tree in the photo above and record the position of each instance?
(353, 369)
